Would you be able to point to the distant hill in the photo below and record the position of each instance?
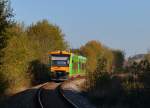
(136, 58)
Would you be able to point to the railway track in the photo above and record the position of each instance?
(59, 93)
(39, 96)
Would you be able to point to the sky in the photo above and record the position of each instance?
(118, 24)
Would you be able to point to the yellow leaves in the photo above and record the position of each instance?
(94, 50)
(26, 45)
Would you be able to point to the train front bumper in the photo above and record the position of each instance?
(61, 76)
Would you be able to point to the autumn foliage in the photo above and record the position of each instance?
(25, 57)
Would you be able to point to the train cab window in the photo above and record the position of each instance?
(60, 63)
(60, 60)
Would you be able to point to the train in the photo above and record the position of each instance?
(64, 65)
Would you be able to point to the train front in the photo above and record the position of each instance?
(59, 65)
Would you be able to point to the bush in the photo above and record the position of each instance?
(102, 86)
(3, 83)
(113, 90)
(39, 72)
(15, 62)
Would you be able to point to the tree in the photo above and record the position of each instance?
(147, 56)
(92, 50)
(47, 34)
(17, 54)
(46, 37)
(119, 58)
(108, 55)
(5, 21)
(76, 51)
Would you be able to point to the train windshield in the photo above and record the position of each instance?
(60, 60)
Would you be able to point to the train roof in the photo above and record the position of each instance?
(59, 52)
(77, 58)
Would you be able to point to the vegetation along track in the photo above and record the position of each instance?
(57, 95)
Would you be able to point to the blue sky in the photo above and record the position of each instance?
(119, 24)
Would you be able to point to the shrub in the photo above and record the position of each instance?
(15, 62)
(112, 90)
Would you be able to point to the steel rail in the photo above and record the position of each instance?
(65, 98)
(39, 96)
(61, 94)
